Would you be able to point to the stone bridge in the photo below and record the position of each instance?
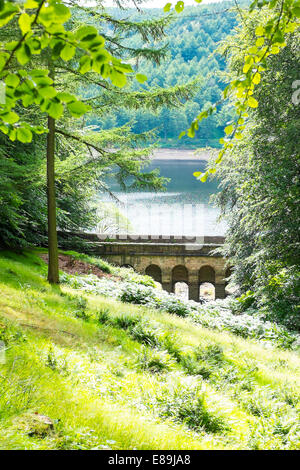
(167, 260)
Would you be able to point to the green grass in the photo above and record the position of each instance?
(110, 374)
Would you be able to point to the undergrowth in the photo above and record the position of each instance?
(116, 375)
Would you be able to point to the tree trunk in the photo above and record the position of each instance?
(53, 276)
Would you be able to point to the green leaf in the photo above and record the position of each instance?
(30, 4)
(12, 80)
(34, 45)
(68, 52)
(77, 108)
(117, 78)
(62, 13)
(57, 48)
(126, 68)
(47, 92)
(7, 13)
(10, 117)
(105, 70)
(181, 134)
(85, 64)
(141, 78)
(204, 177)
(252, 102)
(25, 23)
(27, 100)
(179, 6)
(220, 156)
(167, 7)
(55, 110)
(259, 31)
(43, 81)
(86, 33)
(256, 78)
(66, 97)
(246, 68)
(229, 129)
(260, 41)
(23, 54)
(12, 133)
(39, 73)
(191, 133)
(24, 135)
(296, 11)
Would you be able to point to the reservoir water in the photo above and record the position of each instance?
(183, 209)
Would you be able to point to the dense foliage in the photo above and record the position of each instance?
(88, 372)
(260, 195)
(83, 154)
(218, 315)
(191, 41)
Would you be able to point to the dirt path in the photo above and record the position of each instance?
(70, 265)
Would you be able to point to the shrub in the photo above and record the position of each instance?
(194, 367)
(103, 316)
(211, 353)
(137, 295)
(169, 341)
(187, 404)
(81, 306)
(144, 334)
(176, 306)
(126, 321)
(154, 360)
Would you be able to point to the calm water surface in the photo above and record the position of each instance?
(183, 209)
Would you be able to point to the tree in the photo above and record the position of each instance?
(41, 29)
(260, 188)
(77, 58)
(279, 19)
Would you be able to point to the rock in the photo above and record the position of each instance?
(36, 425)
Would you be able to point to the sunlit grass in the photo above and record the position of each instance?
(102, 369)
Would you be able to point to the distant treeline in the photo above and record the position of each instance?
(192, 39)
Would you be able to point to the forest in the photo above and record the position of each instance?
(191, 42)
(97, 354)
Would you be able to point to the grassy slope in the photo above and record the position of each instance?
(95, 379)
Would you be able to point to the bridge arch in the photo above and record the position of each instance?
(207, 274)
(180, 281)
(154, 271)
(181, 289)
(180, 274)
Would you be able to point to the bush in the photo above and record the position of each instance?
(137, 295)
(175, 306)
(125, 321)
(187, 404)
(169, 341)
(154, 360)
(194, 367)
(103, 316)
(144, 334)
(81, 305)
(211, 353)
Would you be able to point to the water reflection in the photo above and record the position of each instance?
(184, 208)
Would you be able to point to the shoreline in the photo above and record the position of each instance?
(182, 154)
